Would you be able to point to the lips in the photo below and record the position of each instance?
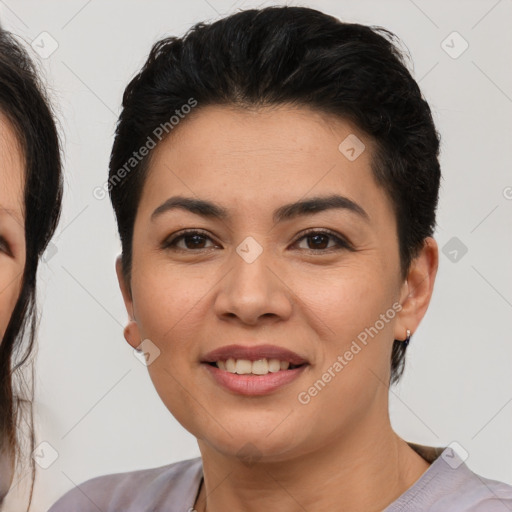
(230, 367)
(253, 353)
(253, 385)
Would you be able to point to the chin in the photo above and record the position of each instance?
(254, 445)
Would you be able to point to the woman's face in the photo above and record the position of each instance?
(12, 224)
(253, 277)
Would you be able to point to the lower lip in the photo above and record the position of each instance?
(254, 385)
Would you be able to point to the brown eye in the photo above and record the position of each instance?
(318, 241)
(193, 240)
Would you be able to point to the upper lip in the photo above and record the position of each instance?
(253, 353)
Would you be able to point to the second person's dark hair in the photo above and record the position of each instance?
(23, 103)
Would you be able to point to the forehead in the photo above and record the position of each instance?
(257, 157)
(250, 137)
(11, 171)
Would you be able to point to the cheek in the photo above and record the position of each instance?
(167, 305)
(356, 315)
(346, 299)
(354, 319)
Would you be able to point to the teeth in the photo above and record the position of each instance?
(274, 365)
(259, 367)
(243, 366)
(230, 365)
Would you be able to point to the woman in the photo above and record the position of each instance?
(275, 178)
(30, 200)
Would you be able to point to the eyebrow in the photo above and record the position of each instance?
(286, 212)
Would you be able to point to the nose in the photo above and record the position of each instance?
(253, 289)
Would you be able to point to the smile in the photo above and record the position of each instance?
(253, 384)
(258, 367)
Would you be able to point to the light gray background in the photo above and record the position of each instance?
(95, 403)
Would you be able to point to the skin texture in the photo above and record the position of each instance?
(12, 246)
(338, 452)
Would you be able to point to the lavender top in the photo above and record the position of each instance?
(447, 485)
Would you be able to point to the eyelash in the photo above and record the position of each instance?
(170, 244)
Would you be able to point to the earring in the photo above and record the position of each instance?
(407, 338)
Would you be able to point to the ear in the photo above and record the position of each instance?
(131, 331)
(417, 289)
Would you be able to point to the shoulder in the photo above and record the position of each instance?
(449, 484)
(480, 494)
(138, 491)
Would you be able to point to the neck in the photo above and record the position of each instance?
(367, 470)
